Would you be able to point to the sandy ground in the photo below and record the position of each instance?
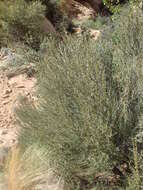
(10, 89)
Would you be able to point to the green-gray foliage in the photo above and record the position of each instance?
(73, 138)
(22, 20)
(90, 101)
(98, 24)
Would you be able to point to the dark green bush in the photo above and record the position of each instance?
(90, 101)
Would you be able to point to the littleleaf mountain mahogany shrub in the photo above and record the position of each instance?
(90, 102)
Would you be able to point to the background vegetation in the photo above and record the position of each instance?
(90, 108)
(87, 123)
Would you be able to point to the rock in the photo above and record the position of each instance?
(27, 93)
(5, 102)
(6, 96)
(94, 33)
(4, 132)
(48, 27)
(95, 4)
(1, 142)
(8, 91)
(20, 86)
(13, 141)
(80, 10)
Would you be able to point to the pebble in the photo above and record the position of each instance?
(5, 102)
(13, 141)
(27, 93)
(4, 132)
(21, 86)
(1, 142)
(6, 96)
(8, 91)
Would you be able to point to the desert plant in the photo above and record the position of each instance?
(22, 20)
(56, 14)
(3, 39)
(18, 59)
(90, 102)
(135, 180)
(98, 24)
(3, 35)
(114, 6)
(23, 173)
(73, 137)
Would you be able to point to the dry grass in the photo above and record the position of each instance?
(30, 171)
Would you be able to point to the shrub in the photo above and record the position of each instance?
(3, 35)
(56, 14)
(90, 102)
(3, 38)
(22, 20)
(21, 173)
(135, 180)
(71, 137)
(114, 6)
(99, 24)
(19, 59)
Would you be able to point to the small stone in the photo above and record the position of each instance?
(5, 102)
(4, 132)
(6, 96)
(27, 93)
(1, 142)
(13, 141)
(8, 91)
(21, 86)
